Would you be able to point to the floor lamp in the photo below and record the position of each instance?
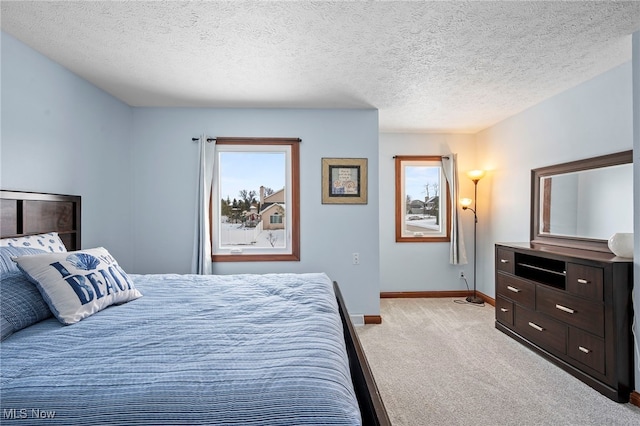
(475, 176)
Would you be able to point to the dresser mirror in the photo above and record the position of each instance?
(582, 203)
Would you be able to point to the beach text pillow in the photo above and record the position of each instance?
(78, 284)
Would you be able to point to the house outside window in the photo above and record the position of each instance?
(255, 193)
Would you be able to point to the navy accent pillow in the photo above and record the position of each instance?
(6, 253)
(21, 304)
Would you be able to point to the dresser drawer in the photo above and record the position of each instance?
(587, 349)
(575, 311)
(520, 291)
(504, 310)
(585, 281)
(540, 329)
(504, 260)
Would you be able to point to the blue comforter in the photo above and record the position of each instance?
(236, 349)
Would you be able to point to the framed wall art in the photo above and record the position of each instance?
(344, 181)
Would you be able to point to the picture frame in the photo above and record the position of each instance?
(344, 181)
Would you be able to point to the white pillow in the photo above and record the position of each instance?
(78, 284)
(50, 242)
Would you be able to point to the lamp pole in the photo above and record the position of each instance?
(475, 176)
(475, 298)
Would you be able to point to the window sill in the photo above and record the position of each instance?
(255, 258)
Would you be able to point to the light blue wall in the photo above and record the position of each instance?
(165, 172)
(61, 134)
(406, 267)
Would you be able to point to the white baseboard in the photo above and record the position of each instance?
(357, 320)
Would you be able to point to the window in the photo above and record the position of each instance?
(422, 200)
(255, 200)
(276, 218)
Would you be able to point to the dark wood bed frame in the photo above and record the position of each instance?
(28, 213)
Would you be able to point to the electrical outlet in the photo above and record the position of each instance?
(355, 257)
(462, 273)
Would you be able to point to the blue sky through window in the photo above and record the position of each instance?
(417, 177)
(250, 170)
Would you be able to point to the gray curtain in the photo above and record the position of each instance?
(201, 263)
(457, 251)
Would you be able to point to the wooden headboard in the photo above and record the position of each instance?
(29, 213)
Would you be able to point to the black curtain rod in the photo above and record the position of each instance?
(446, 157)
(214, 139)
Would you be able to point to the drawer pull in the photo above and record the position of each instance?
(513, 289)
(504, 309)
(536, 326)
(583, 349)
(504, 260)
(565, 309)
(581, 281)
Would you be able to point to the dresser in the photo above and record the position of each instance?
(573, 307)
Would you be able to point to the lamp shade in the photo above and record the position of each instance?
(465, 202)
(475, 175)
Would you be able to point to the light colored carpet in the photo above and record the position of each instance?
(438, 362)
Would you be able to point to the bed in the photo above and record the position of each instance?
(236, 349)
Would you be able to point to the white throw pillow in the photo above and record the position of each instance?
(78, 284)
(50, 242)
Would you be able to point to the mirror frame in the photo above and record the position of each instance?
(618, 158)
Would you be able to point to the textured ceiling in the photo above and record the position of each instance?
(426, 66)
